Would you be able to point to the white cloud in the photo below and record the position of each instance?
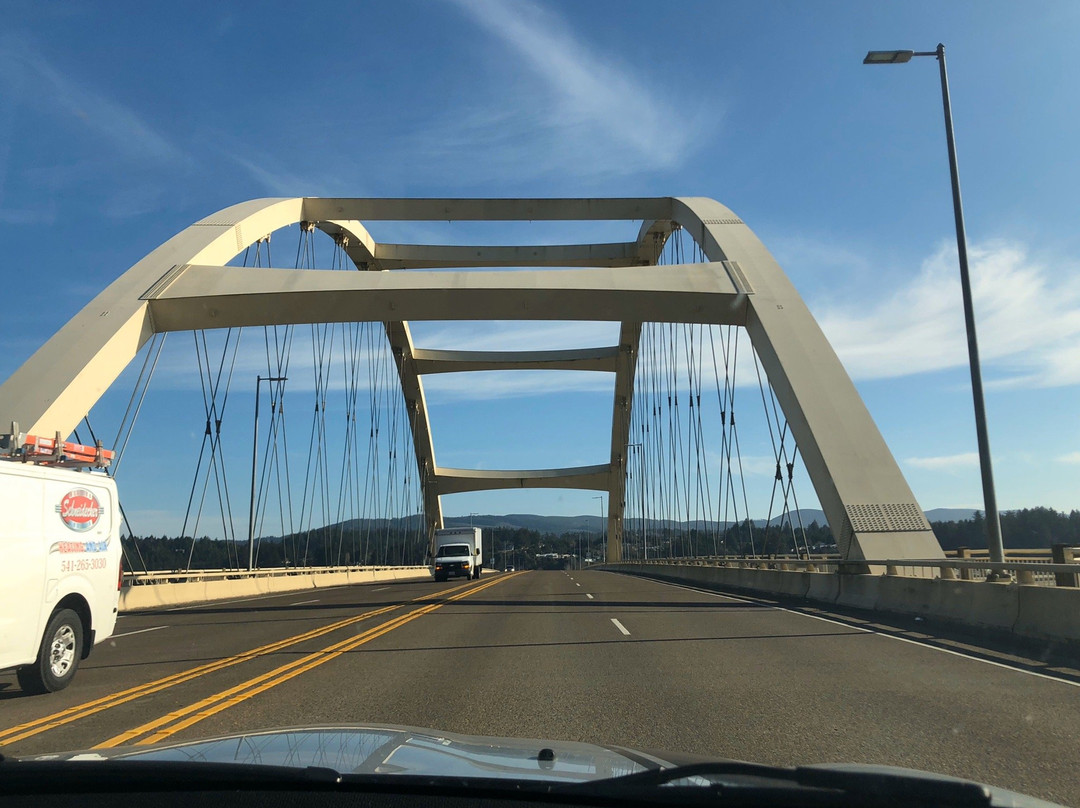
(583, 109)
(1071, 457)
(945, 462)
(1028, 319)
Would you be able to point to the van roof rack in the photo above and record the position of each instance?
(16, 446)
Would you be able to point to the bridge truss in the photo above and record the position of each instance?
(186, 284)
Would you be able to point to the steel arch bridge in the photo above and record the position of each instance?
(184, 284)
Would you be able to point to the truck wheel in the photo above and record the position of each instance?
(58, 657)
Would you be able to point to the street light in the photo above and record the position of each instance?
(641, 481)
(993, 523)
(254, 456)
(602, 531)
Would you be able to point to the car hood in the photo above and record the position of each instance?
(387, 749)
(392, 749)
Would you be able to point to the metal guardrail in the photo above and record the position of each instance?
(1029, 572)
(198, 576)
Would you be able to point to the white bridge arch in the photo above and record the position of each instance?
(184, 284)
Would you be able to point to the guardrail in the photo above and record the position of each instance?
(1030, 571)
(199, 576)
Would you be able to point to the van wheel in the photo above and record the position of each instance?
(58, 657)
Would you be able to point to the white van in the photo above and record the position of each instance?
(60, 570)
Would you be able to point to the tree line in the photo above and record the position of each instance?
(525, 548)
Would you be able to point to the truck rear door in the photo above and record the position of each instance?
(22, 566)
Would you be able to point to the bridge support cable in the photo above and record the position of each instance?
(687, 480)
(128, 564)
(276, 473)
(774, 417)
(350, 503)
(123, 435)
(214, 385)
(316, 491)
(728, 497)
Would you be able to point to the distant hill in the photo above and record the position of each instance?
(592, 522)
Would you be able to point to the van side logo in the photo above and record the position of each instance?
(79, 510)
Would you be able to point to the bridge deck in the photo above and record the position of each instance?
(541, 654)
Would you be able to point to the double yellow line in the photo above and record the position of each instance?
(161, 728)
(48, 722)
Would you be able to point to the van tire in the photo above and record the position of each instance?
(58, 656)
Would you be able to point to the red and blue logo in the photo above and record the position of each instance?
(79, 510)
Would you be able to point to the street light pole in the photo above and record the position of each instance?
(993, 522)
(603, 532)
(641, 481)
(254, 458)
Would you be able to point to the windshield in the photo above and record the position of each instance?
(766, 433)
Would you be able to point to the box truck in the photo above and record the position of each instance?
(61, 569)
(459, 551)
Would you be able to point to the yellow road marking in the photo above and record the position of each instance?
(177, 720)
(48, 722)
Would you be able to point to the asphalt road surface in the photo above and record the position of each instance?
(585, 656)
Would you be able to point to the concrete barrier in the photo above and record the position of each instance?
(1049, 611)
(1038, 612)
(155, 596)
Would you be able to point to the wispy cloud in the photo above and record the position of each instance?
(292, 179)
(491, 385)
(1071, 457)
(1028, 318)
(582, 109)
(954, 462)
(40, 82)
(504, 335)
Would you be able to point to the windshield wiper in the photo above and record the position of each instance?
(752, 780)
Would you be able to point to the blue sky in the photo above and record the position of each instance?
(119, 126)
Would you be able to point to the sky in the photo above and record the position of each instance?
(123, 123)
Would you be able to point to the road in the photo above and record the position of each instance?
(590, 656)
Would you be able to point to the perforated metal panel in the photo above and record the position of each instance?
(894, 517)
(738, 277)
(224, 221)
(218, 221)
(722, 221)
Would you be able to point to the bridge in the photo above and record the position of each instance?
(696, 607)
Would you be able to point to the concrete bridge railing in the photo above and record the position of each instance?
(1039, 568)
(162, 589)
(1044, 612)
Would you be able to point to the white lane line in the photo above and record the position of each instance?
(304, 602)
(140, 631)
(590, 597)
(380, 589)
(620, 627)
(577, 584)
(874, 631)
